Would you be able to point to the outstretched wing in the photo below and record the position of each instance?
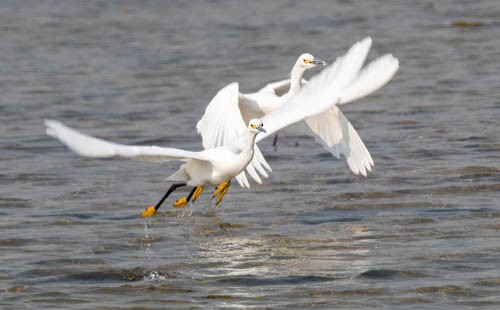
(222, 123)
(89, 146)
(337, 135)
(373, 77)
(340, 83)
(332, 129)
(322, 91)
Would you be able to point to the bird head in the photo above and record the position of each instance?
(308, 61)
(256, 126)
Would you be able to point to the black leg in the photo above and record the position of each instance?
(191, 193)
(150, 211)
(169, 191)
(275, 142)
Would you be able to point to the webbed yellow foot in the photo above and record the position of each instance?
(224, 191)
(197, 193)
(150, 211)
(181, 203)
(221, 190)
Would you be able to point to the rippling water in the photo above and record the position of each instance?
(420, 232)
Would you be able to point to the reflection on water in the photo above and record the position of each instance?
(420, 232)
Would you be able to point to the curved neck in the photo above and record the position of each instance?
(296, 79)
(249, 141)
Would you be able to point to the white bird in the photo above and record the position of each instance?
(211, 166)
(270, 98)
(256, 105)
(262, 102)
(226, 114)
(219, 164)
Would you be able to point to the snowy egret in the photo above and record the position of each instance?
(269, 99)
(256, 105)
(226, 114)
(212, 166)
(217, 165)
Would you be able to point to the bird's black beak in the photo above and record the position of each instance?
(261, 129)
(319, 62)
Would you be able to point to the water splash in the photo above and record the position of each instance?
(154, 276)
(147, 237)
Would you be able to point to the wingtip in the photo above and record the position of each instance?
(394, 60)
(50, 122)
(50, 129)
(367, 169)
(367, 42)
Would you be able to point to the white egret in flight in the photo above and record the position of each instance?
(229, 110)
(275, 94)
(233, 152)
(269, 99)
(259, 104)
(211, 166)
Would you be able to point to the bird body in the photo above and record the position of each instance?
(283, 103)
(255, 105)
(266, 100)
(229, 148)
(222, 164)
(215, 166)
(210, 166)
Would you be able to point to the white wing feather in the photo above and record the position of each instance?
(332, 129)
(337, 135)
(223, 123)
(373, 77)
(330, 126)
(89, 146)
(322, 91)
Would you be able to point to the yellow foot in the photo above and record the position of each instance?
(150, 211)
(221, 190)
(181, 203)
(197, 193)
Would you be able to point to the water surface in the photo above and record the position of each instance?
(420, 232)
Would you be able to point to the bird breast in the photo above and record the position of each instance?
(229, 164)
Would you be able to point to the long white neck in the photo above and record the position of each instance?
(296, 79)
(249, 142)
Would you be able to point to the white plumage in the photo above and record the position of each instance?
(340, 83)
(229, 148)
(210, 166)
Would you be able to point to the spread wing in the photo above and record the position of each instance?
(222, 123)
(322, 91)
(332, 129)
(340, 83)
(337, 135)
(89, 146)
(373, 77)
